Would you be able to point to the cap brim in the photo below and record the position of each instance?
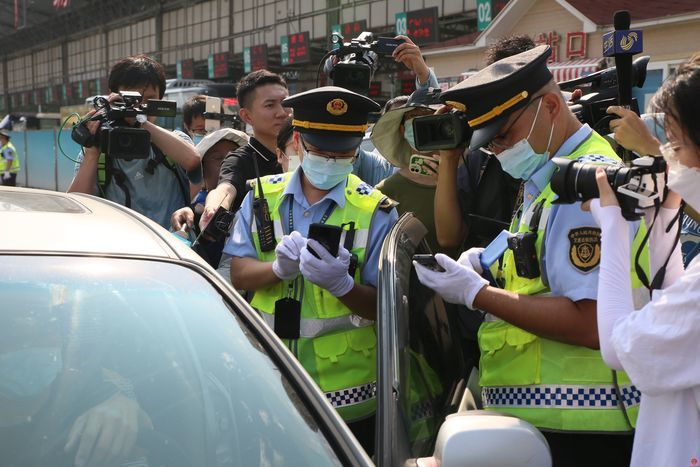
(223, 134)
(333, 142)
(483, 135)
(388, 140)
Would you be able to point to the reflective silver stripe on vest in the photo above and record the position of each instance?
(314, 327)
(352, 396)
(556, 396)
(631, 396)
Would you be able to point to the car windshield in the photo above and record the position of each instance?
(141, 363)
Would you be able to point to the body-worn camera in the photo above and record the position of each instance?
(358, 59)
(639, 186)
(444, 131)
(115, 137)
(600, 90)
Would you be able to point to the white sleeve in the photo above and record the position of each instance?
(658, 345)
(615, 301)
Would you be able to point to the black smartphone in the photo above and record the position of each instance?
(429, 262)
(387, 45)
(326, 235)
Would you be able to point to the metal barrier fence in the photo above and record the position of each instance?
(42, 165)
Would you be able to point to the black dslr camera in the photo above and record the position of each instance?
(115, 137)
(358, 59)
(445, 131)
(600, 92)
(642, 185)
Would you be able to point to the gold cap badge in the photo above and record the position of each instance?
(337, 107)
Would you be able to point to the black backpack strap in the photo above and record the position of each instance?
(112, 172)
(163, 159)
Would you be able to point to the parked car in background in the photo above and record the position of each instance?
(120, 346)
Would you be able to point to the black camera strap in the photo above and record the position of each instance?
(658, 279)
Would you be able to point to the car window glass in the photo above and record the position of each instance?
(430, 366)
(152, 344)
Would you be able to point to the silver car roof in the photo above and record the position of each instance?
(41, 221)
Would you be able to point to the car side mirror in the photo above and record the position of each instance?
(480, 437)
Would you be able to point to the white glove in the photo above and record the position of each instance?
(472, 257)
(328, 272)
(286, 265)
(6, 176)
(458, 284)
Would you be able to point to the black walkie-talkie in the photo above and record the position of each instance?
(261, 210)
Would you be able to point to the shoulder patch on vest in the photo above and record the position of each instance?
(387, 204)
(598, 159)
(275, 179)
(364, 189)
(584, 248)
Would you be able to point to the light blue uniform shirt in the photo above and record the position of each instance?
(564, 279)
(240, 243)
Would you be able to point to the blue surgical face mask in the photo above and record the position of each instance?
(408, 133)
(325, 172)
(520, 160)
(29, 372)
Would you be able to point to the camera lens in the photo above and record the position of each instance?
(575, 181)
(125, 140)
(446, 130)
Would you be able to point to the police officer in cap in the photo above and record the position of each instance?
(322, 306)
(539, 342)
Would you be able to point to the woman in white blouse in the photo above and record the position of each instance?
(659, 345)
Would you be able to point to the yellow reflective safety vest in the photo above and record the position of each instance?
(550, 384)
(338, 350)
(14, 168)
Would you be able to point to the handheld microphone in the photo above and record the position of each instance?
(622, 43)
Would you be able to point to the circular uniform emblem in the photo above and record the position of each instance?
(584, 248)
(337, 107)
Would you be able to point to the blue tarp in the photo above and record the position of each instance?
(42, 164)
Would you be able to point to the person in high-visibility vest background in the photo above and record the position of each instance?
(9, 160)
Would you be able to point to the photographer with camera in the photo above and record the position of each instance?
(539, 340)
(156, 185)
(644, 135)
(657, 345)
(413, 186)
(318, 292)
(476, 200)
(352, 68)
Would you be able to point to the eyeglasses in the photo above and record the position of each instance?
(493, 146)
(331, 159)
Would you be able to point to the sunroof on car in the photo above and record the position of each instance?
(18, 201)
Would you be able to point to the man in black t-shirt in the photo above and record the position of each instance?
(475, 201)
(260, 95)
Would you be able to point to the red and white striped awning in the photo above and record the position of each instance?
(565, 71)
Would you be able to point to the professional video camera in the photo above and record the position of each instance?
(358, 59)
(444, 131)
(600, 92)
(115, 137)
(640, 186)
